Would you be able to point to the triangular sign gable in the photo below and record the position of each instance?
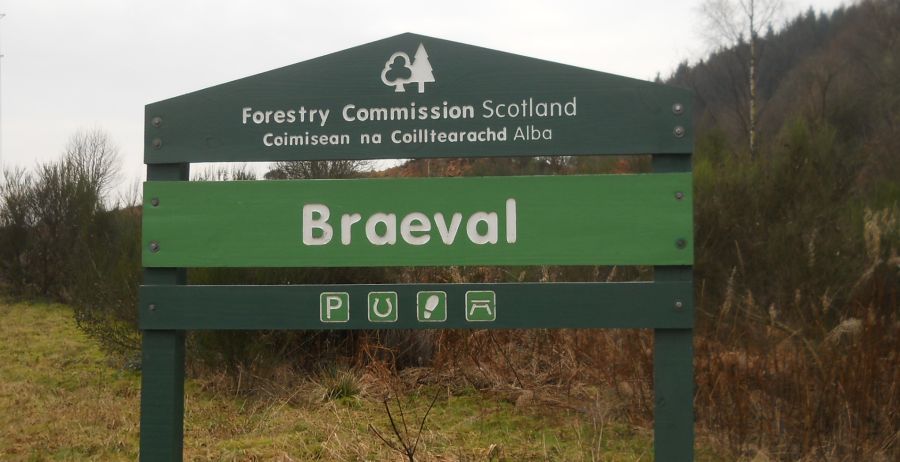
(413, 96)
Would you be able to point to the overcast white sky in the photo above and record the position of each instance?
(95, 63)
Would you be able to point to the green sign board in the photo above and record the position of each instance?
(418, 306)
(418, 96)
(569, 220)
(413, 96)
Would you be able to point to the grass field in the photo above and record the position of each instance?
(61, 398)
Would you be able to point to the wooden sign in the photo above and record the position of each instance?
(412, 96)
(539, 220)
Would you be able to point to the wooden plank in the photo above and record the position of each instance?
(607, 114)
(516, 306)
(566, 220)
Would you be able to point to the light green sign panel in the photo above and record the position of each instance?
(568, 220)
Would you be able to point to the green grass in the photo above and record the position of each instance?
(62, 399)
(59, 399)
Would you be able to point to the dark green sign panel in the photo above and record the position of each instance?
(417, 96)
(406, 306)
(568, 220)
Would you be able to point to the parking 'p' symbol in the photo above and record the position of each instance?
(334, 307)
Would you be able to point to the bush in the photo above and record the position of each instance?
(61, 241)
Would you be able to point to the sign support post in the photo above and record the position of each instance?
(673, 360)
(162, 361)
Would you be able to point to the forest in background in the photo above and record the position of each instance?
(797, 270)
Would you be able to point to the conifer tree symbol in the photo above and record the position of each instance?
(400, 70)
(421, 69)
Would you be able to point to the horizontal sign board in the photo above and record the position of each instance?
(418, 306)
(412, 96)
(538, 220)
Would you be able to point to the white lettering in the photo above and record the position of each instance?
(448, 235)
(511, 221)
(390, 235)
(347, 221)
(332, 302)
(415, 228)
(490, 236)
(529, 108)
(321, 223)
(347, 112)
(282, 116)
(415, 222)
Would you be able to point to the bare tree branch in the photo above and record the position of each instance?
(315, 169)
(386, 442)
(92, 155)
(424, 418)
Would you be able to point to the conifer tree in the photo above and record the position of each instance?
(421, 69)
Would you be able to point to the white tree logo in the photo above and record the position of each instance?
(400, 70)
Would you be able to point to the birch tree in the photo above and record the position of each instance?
(727, 23)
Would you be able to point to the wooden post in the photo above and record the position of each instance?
(162, 362)
(673, 383)
(162, 396)
(673, 359)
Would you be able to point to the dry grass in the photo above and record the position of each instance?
(61, 399)
(776, 393)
